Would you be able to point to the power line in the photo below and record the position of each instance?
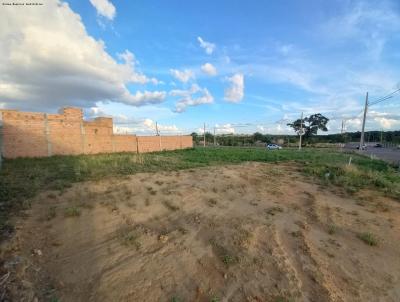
(384, 98)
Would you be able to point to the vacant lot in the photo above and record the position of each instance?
(192, 226)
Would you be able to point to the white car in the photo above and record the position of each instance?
(273, 147)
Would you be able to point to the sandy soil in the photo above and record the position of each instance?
(249, 232)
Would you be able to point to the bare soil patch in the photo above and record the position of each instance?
(249, 232)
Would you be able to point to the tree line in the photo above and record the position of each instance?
(308, 127)
(259, 138)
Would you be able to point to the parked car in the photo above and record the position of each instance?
(363, 147)
(273, 147)
(378, 145)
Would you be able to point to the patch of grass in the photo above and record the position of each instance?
(228, 259)
(168, 204)
(223, 253)
(368, 238)
(72, 211)
(51, 213)
(332, 229)
(129, 236)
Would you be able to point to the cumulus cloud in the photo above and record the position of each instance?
(104, 8)
(207, 46)
(146, 97)
(182, 75)
(224, 129)
(209, 69)
(145, 126)
(48, 60)
(185, 93)
(235, 92)
(193, 97)
(150, 124)
(385, 120)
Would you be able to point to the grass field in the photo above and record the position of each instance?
(21, 179)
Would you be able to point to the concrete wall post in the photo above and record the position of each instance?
(83, 138)
(47, 135)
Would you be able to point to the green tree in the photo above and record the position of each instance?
(258, 137)
(311, 125)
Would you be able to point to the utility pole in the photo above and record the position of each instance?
(214, 138)
(342, 132)
(301, 130)
(363, 123)
(159, 136)
(381, 136)
(204, 135)
(157, 133)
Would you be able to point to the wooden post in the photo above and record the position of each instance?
(363, 123)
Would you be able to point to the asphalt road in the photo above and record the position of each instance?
(387, 154)
(391, 155)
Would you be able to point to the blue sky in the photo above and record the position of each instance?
(237, 66)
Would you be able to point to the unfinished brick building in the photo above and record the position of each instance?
(30, 134)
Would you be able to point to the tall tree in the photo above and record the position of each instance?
(311, 125)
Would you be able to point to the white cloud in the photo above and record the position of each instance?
(104, 8)
(224, 129)
(48, 60)
(369, 23)
(166, 128)
(209, 69)
(130, 63)
(190, 100)
(235, 92)
(185, 93)
(182, 75)
(387, 121)
(146, 97)
(207, 46)
(145, 126)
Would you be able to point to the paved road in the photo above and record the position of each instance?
(387, 154)
(391, 155)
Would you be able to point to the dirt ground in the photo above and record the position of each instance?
(249, 232)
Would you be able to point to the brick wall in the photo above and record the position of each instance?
(28, 134)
